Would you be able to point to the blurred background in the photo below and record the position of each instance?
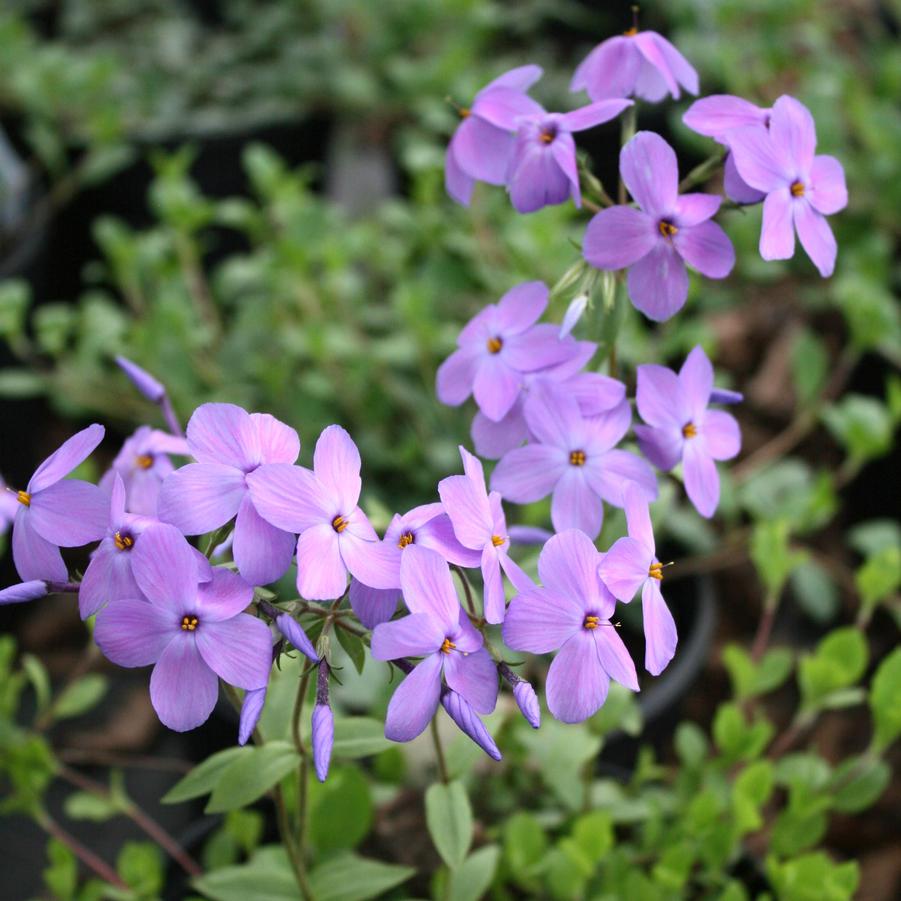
(247, 199)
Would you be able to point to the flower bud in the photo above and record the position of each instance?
(250, 713)
(528, 534)
(23, 591)
(725, 396)
(573, 314)
(323, 738)
(460, 711)
(293, 631)
(527, 701)
(146, 384)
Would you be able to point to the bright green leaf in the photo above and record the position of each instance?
(449, 818)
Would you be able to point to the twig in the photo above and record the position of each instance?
(84, 854)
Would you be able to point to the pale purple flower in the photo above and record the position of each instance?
(229, 445)
(479, 524)
(251, 710)
(574, 459)
(57, 512)
(323, 725)
(144, 463)
(438, 631)
(716, 116)
(497, 347)
(638, 63)
(542, 169)
(481, 147)
(680, 427)
(425, 526)
(322, 506)
(655, 241)
(632, 564)
(194, 632)
(801, 188)
(571, 612)
(22, 592)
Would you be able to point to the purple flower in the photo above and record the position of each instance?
(481, 147)
(573, 458)
(632, 564)
(542, 169)
(57, 512)
(638, 63)
(22, 592)
(322, 505)
(571, 612)
(148, 386)
(524, 695)
(479, 524)
(323, 723)
(192, 631)
(497, 347)
(425, 526)
(251, 709)
(294, 632)
(109, 575)
(229, 444)
(143, 463)
(438, 631)
(667, 231)
(716, 117)
(680, 427)
(467, 720)
(801, 189)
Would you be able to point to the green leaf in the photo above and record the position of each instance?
(470, 881)
(359, 736)
(813, 877)
(251, 775)
(808, 770)
(815, 591)
(874, 535)
(858, 783)
(449, 819)
(750, 791)
(691, 744)
(267, 876)
(674, 866)
(838, 662)
(341, 810)
(879, 577)
(20, 384)
(348, 877)
(354, 648)
(84, 806)
(525, 843)
(141, 866)
(40, 681)
(80, 696)
(204, 777)
(61, 877)
(593, 833)
(810, 366)
(773, 558)
(620, 712)
(885, 701)
(773, 669)
(735, 737)
(742, 671)
(15, 298)
(863, 425)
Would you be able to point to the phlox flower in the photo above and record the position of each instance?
(496, 348)
(229, 444)
(143, 464)
(23, 592)
(57, 512)
(479, 524)
(481, 147)
(571, 612)
(632, 564)
(680, 427)
(440, 632)
(655, 241)
(425, 526)
(193, 632)
(638, 63)
(574, 459)
(801, 188)
(542, 169)
(321, 505)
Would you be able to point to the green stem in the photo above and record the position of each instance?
(439, 752)
(297, 865)
(629, 123)
(302, 752)
(702, 171)
(467, 590)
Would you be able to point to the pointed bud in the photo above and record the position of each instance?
(23, 591)
(573, 314)
(250, 713)
(323, 724)
(461, 712)
(528, 534)
(293, 631)
(148, 386)
(725, 396)
(527, 700)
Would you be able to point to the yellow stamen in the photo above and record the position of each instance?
(123, 542)
(464, 112)
(339, 523)
(497, 540)
(667, 229)
(797, 189)
(406, 539)
(495, 345)
(448, 646)
(547, 137)
(24, 498)
(577, 458)
(144, 461)
(689, 430)
(656, 571)
(631, 32)
(591, 622)
(189, 623)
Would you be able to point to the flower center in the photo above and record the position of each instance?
(339, 524)
(189, 623)
(497, 540)
(797, 188)
(656, 571)
(631, 32)
(547, 134)
(591, 622)
(406, 539)
(447, 646)
(577, 458)
(144, 461)
(494, 345)
(689, 430)
(464, 112)
(24, 498)
(667, 229)
(123, 542)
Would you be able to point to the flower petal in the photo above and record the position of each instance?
(658, 283)
(238, 650)
(456, 376)
(108, 578)
(816, 237)
(35, 558)
(576, 682)
(519, 79)
(693, 209)
(696, 379)
(468, 511)
(662, 446)
(416, 635)
(625, 567)
(702, 482)
(62, 461)
(132, 632)
(659, 629)
(224, 434)
(456, 182)
(201, 497)
(594, 114)
(610, 70)
(279, 443)
(638, 517)
(493, 439)
(660, 396)
(553, 416)
(615, 657)
(717, 114)
(372, 562)
(681, 69)
(541, 620)
(827, 192)
(568, 566)
(414, 701)
(575, 505)
(707, 248)
(615, 471)
(527, 474)
(503, 108)
(481, 149)
(263, 552)
(165, 568)
(223, 597)
(336, 462)
(474, 676)
(756, 159)
(648, 43)
(721, 435)
(496, 387)
(183, 689)
(619, 236)
(494, 599)
(735, 186)
(291, 498)
(535, 179)
(777, 237)
(538, 348)
(648, 167)
(438, 535)
(373, 605)
(794, 134)
(321, 573)
(428, 587)
(70, 513)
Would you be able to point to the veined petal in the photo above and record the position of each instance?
(336, 462)
(696, 379)
(648, 43)
(456, 182)
(529, 473)
(553, 416)
(638, 517)
(468, 510)
(481, 149)
(73, 452)
(679, 66)
(70, 513)
(456, 376)
(133, 632)
(794, 133)
(576, 682)
(291, 498)
(615, 657)
(519, 79)
(494, 600)
(278, 443)
(707, 248)
(238, 650)
(165, 568)
(321, 573)
(735, 186)
(693, 209)
(658, 283)
(503, 108)
(538, 348)
(777, 237)
(662, 446)
(493, 439)
(108, 578)
(496, 387)
(415, 700)
(575, 505)
(660, 397)
(438, 535)
(702, 482)
(619, 236)
(372, 562)
(201, 497)
(616, 470)
(541, 620)
(827, 192)
(35, 558)
(568, 566)
(428, 587)
(474, 676)
(263, 552)
(535, 180)
(625, 568)
(648, 167)
(183, 689)
(416, 635)
(223, 597)
(610, 70)
(594, 114)
(659, 629)
(224, 434)
(721, 435)
(816, 237)
(373, 605)
(717, 114)
(756, 159)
